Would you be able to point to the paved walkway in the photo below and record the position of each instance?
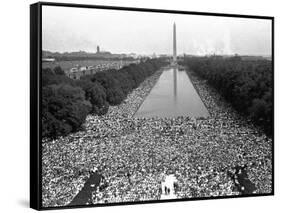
(84, 197)
(169, 184)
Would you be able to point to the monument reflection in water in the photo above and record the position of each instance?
(172, 96)
(175, 83)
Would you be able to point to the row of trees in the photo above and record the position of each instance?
(67, 102)
(247, 85)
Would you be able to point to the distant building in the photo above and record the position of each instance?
(133, 55)
(98, 49)
(79, 71)
(48, 60)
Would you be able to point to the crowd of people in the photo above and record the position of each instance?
(134, 155)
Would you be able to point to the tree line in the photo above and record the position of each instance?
(67, 102)
(246, 84)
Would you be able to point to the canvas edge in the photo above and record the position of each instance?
(35, 102)
(35, 124)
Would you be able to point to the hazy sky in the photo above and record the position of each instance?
(74, 29)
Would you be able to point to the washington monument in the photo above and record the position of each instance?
(174, 45)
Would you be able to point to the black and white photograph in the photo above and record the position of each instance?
(141, 106)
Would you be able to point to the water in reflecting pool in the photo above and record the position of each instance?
(172, 96)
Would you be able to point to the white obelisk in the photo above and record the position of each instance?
(174, 45)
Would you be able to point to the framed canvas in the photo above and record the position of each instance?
(136, 106)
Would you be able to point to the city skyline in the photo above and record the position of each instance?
(146, 33)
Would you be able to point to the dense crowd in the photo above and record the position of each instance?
(135, 154)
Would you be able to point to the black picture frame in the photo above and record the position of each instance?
(36, 105)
